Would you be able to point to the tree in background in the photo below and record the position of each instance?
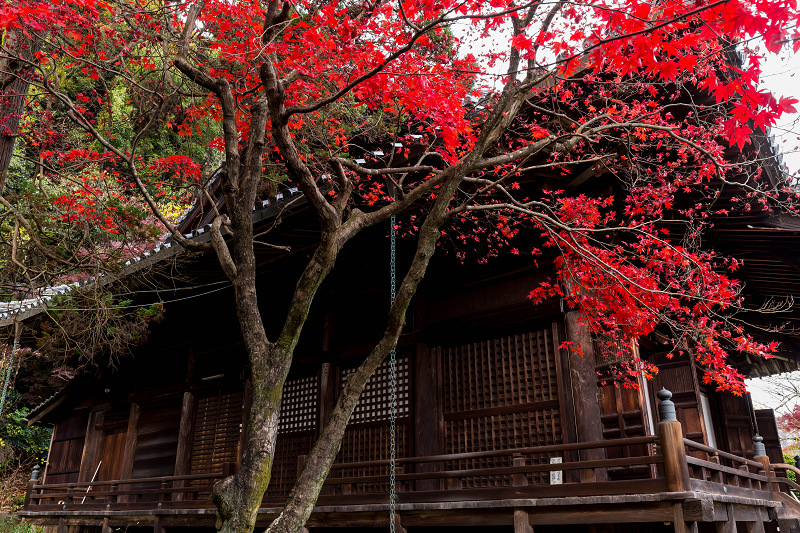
(781, 393)
(134, 106)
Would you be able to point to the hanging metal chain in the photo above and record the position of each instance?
(392, 380)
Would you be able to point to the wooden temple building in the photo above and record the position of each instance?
(498, 426)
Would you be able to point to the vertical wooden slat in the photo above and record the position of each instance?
(91, 448)
(130, 442)
(185, 434)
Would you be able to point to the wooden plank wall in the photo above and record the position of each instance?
(737, 424)
(111, 453)
(500, 393)
(157, 438)
(66, 450)
(768, 429)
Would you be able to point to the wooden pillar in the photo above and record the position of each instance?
(678, 522)
(126, 470)
(91, 447)
(670, 432)
(185, 430)
(157, 527)
(398, 525)
(328, 382)
(522, 523)
(62, 526)
(729, 525)
(754, 527)
(328, 385)
(185, 434)
(428, 419)
(106, 528)
(589, 426)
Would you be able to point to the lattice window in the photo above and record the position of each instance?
(371, 443)
(498, 394)
(374, 403)
(512, 370)
(299, 405)
(218, 424)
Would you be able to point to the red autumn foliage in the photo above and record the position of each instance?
(374, 58)
(593, 134)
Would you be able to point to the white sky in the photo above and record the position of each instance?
(782, 76)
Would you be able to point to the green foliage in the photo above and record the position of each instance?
(12, 524)
(19, 439)
(788, 458)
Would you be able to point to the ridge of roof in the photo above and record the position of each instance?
(20, 310)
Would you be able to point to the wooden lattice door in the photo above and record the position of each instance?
(498, 394)
(367, 438)
(623, 408)
(737, 424)
(679, 376)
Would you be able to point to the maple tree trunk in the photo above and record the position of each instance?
(238, 497)
(10, 108)
(12, 98)
(307, 488)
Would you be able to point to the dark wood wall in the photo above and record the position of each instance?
(478, 368)
(216, 431)
(157, 438)
(66, 450)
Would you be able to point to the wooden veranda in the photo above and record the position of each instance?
(664, 478)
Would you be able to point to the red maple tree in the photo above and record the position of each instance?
(474, 100)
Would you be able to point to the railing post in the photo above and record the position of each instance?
(760, 455)
(720, 477)
(676, 469)
(518, 480)
(522, 523)
(31, 483)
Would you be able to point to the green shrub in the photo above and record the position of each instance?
(11, 524)
(26, 442)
